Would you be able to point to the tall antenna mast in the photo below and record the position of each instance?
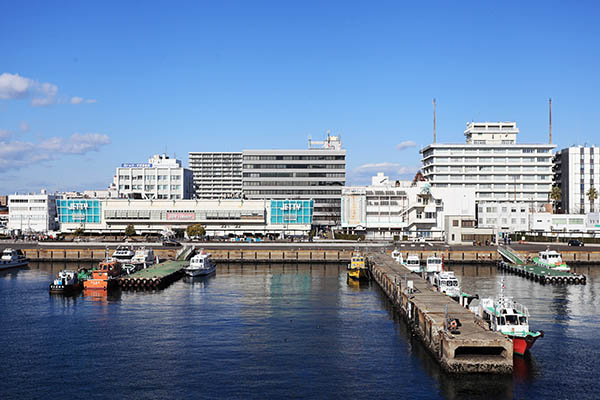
(550, 118)
(434, 120)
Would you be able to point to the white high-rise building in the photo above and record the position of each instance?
(493, 163)
(576, 171)
(161, 178)
(217, 175)
(32, 213)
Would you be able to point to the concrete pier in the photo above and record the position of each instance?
(471, 348)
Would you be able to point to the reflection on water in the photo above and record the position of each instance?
(274, 331)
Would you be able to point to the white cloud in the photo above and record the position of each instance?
(76, 100)
(4, 133)
(14, 86)
(405, 145)
(17, 154)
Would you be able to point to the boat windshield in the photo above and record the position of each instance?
(523, 320)
(512, 320)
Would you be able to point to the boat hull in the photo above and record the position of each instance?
(522, 345)
(200, 271)
(99, 284)
(14, 265)
(65, 289)
(358, 274)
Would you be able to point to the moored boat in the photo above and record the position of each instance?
(123, 254)
(105, 276)
(446, 282)
(510, 318)
(397, 256)
(12, 258)
(434, 264)
(551, 259)
(200, 265)
(357, 269)
(413, 263)
(67, 281)
(143, 257)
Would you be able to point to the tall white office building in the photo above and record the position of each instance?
(317, 173)
(217, 175)
(493, 163)
(576, 171)
(161, 178)
(32, 213)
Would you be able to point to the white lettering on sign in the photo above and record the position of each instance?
(136, 165)
(292, 207)
(180, 216)
(78, 206)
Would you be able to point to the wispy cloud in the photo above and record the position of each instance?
(407, 144)
(15, 86)
(17, 154)
(24, 126)
(363, 173)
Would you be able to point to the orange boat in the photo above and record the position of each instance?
(104, 277)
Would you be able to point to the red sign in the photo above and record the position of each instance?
(181, 216)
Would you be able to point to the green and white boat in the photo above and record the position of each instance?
(551, 259)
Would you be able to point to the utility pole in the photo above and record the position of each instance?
(434, 120)
(550, 119)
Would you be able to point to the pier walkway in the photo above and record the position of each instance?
(471, 348)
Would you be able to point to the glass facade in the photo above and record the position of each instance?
(79, 211)
(291, 211)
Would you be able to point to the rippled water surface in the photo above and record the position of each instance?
(273, 332)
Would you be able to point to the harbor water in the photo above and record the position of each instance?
(276, 331)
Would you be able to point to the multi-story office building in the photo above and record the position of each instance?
(576, 171)
(216, 175)
(32, 213)
(317, 173)
(161, 178)
(493, 163)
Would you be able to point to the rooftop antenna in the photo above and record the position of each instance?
(550, 118)
(434, 120)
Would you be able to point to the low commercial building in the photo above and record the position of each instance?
(161, 178)
(32, 213)
(386, 211)
(463, 230)
(219, 217)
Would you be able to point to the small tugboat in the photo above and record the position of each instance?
(200, 265)
(66, 282)
(434, 264)
(551, 259)
(105, 276)
(413, 263)
(143, 258)
(357, 269)
(123, 254)
(510, 318)
(12, 258)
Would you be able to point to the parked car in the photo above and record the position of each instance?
(575, 242)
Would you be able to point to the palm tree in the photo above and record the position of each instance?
(592, 195)
(555, 195)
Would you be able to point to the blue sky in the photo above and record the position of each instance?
(87, 85)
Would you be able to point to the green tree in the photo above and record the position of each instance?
(555, 196)
(130, 230)
(592, 195)
(195, 230)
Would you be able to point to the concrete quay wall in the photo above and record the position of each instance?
(472, 348)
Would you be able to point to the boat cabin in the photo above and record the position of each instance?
(551, 257)
(447, 283)
(434, 264)
(200, 260)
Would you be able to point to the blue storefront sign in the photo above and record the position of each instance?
(79, 211)
(291, 211)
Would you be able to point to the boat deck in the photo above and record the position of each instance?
(542, 274)
(155, 277)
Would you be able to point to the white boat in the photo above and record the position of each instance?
(67, 281)
(12, 258)
(143, 257)
(551, 259)
(200, 265)
(434, 264)
(445, 282)
(413, 263)
(397, 256)
(123, 254)
(510, 318)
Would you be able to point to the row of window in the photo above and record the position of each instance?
(294, 166)
(149, 177)
(293, 192)
(294, 175)
(479, 160)
(293, 183)
(292, 157)
(149, 187)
